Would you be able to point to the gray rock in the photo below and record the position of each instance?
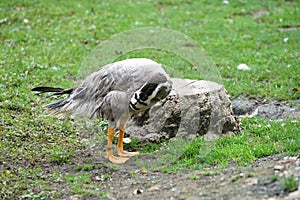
(193, 108)
(275, 110)
(243, 106)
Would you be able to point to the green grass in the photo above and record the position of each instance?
(258, 138)
(32, 183)
(59, 35)
(82, 185)
(85, 167)
(290, 184)
(45, 42)
(193, 177)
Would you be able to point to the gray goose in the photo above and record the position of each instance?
(115, 92)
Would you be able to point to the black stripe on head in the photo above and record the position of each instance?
(139, 100)
(133, 106)
(147, 91)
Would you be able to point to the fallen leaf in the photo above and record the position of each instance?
(295, 90)
(154, 188)
(143, 171)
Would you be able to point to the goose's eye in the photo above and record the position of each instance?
(143, 97)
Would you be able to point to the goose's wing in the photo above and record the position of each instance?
(124, 76)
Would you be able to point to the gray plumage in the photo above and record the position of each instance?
(115, 92)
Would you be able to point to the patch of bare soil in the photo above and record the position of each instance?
(262, 180)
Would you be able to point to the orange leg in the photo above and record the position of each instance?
(119, 148)
(109, 152)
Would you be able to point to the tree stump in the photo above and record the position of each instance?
(193, 108)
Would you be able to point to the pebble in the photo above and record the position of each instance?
(225, 2)
(243, 67)
(293, 195)
(279, 167)
(137, 191)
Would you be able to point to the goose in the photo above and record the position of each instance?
(115, 92)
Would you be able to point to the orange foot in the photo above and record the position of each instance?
(115, 159)
(123, 153)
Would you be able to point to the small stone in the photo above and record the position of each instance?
(194, 198)
(288, 159)
(294, 195)
(225, 2)
(73, 197)
(137, 191)
(243, 67)
(126, 140)
(2, 21)
(252, 181)
(279, 167)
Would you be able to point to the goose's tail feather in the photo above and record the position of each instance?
(58, 91)
(55, 108)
